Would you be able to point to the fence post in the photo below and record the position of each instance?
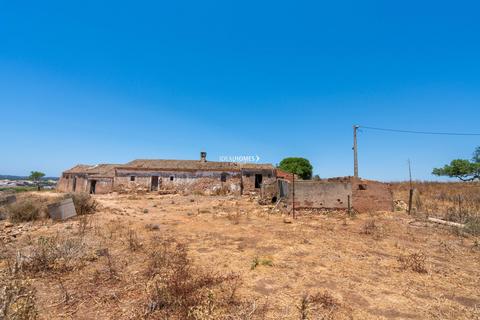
(410, 199)
(293, 194)
(349, 206)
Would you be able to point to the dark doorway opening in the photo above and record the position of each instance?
(93, 184)
(74, 184)
(258, 180)
(154, 183)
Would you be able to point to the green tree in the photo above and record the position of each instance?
(36, 176)
(462, 169)
(299, 166)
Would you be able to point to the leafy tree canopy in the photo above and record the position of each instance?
(36, 175)
(298, 166)
(462, 169)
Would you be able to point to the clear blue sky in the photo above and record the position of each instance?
(90, 82)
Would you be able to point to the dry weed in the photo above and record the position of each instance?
(322, 304)
(53, 254)
(260, 262)
(414, 262)
(24, 211)
(371, 227)
(84, 203)
(134, 243)
(176, 288)
(17, 299)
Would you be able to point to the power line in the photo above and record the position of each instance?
(421, 132)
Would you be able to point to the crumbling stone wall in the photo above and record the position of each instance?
(62, 184)
(371, 195)
(208, 182)
(66, 183)
(321, 194)
(333, 193)
(103, 185)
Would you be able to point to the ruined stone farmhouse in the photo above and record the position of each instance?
(154, 175)
(212, 177)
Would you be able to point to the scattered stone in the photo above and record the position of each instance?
(152, 226)
(145, 210)
(400, 205)
(287, 220)
(102, 252)
(192, 200)
(8, 225)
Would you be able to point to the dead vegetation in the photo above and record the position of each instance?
(415, 262)
(373, 228)
(178, 289)
(34, 207)
(84, 203)
(175, 265)
(17, 298)
(454, 201)
(260, 262)
(53, 254)
(24, 211)
(321, 305)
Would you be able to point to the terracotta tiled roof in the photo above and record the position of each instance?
(107, 170)
(193, 165)
(103, 169)
(79, 168)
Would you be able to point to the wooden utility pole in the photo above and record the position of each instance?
(355, 151)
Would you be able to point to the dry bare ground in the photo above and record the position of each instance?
(196, 257)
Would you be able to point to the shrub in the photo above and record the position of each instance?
(178, 289)
(472, 225)
(24, 211)
(374, 229)
(84, 203)
(369, 227)
(323, 300)
(414, 262)
(51, 254)
(17, 299)
(260, 262)
(134, 243)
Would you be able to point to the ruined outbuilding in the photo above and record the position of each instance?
(334, 193)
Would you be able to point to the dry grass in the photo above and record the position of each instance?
(84, 203)
(181, 290)
(111, 266)
(455, 201)
(51, 254)
(31, 207)
(24, 211)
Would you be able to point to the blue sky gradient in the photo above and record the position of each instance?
(92, 82)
